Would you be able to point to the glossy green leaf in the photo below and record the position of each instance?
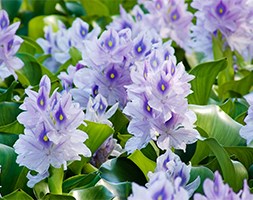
(31, 73)
(75, 55)
(41, 189)
(8, 118)
(217, 124)
(205, 76)
(82, 180)
(236, 88)
(18, 194)
(97, 192)
(75, 8)
(120, 122)
(12, 176)
(121, 190)
(223, 159)
(58, 197)
(241, 174)
(203, 173)
(97, 133)
(145, 164)
(121, 170)
(234, 108)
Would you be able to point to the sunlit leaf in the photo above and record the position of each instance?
(58, 197)
(217, 124)
(18, 194)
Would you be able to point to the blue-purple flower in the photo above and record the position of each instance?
(51, 136)
(9, 45)
(217, 189)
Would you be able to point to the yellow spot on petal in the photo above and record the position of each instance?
(139, 49)
(45, 138)
(160, 197)
(163, 87)
(158, 6)
(174, 17)
(110, 43)
(148, 108)
(220, 10)
(61, 117)
(101, 107)
(112, 76)
(83, 32)
(41, 102)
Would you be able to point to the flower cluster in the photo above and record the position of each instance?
(158, 106)
(216, 189)
(51, 136)
(59, 43)
(9, 45)
(225, 16)
(168, 18)
(169, 181)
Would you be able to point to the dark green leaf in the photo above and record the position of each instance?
(8, 118)
(12, 176)
(58, 197)
(121, 170)
(11, 7)
(146, 165)
(97, 192)
(8, 94)
(217, 124)
(241, 174)
(236, 88)
(8, 139)
(75, 8)
(30, 46)
(205, 76)
(82, 180)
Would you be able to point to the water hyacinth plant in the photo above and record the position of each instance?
(147, 99)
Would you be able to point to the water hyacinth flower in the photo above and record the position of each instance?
(159, 187)
(158, 106)
(216, 189)
(226, 17)
(9, 45)
(51, 136)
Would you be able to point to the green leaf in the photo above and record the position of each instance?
(97, 133)
(12, 176)
(236, 88)
(82, 180)
(241, 174)
(223, 158)
(31, 73)
(121, 190)
(234, 108)
(12, 7)
(97, 192)
(95, 8)
(37, 24)
(75, 55)
(243, 154)
(55, 180)
(8, 139)
(58, 197)
(146, 165)
(121, 170)
(205, 76)
(8, 94)
(75, 8)
(203, 173)
(41, 189)
(30, 46)
(8, 118)
(217, 124)
(18, 194)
